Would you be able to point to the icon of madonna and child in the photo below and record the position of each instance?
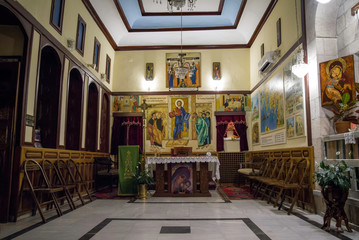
(182, 178)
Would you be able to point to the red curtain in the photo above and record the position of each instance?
(241, 128)
(126, 131)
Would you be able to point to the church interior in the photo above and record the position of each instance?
(172, 119)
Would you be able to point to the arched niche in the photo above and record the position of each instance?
(105, 124)
(48, 97)
(13, 54)
(74, 106)
(92, 116)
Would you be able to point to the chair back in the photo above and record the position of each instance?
(64, 172)
(35, 175)
(52, 173)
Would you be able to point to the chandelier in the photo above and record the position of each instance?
(178, 4)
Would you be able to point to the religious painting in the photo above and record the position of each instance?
(157, 122)
(149, 71)
(180, 118)
(231, 102)
(299, 125)
(255, 133)
(125, 103)
(271, 105)
(293, 91)
(182, 178)
(255, 107)
(337, 78)
(201, 124)
(290, 127)
(190, 74)
(217, 71)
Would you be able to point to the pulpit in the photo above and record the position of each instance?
(182, 177)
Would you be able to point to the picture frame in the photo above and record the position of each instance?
(216, 71)
(279, 32)
(149, 72)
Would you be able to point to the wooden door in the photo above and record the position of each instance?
(9, 72)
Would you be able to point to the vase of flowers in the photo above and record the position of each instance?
(143, 179)
(344, 114)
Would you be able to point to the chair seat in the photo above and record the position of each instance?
(112, 172)
(248, 171)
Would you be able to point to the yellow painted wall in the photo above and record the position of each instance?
(286, 10)
(129, 71)
(69, 28)
(12, 41)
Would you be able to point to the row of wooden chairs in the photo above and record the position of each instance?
(285, 178)
(50, 184)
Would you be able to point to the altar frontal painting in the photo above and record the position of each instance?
(337, 78)
(182, 178)
(271, 105)
(192, 64)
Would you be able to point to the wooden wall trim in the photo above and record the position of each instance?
(220, 113)
(128, 114)
(179, 93)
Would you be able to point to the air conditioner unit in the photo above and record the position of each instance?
(266, 62)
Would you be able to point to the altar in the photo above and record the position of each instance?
(182, 176)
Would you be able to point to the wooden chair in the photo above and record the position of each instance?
(69, 181)
(42, 192)
(270, 173)
(297, 181)
(77, 177)
(253, 168)
(104, 171)
(57, 181)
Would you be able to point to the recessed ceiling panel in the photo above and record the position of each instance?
(151, 6)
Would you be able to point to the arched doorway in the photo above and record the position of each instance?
(74, 105)
(105, 123)
(91, 123)
(13, 49)
(48, 97)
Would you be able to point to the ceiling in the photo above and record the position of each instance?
(145, 24)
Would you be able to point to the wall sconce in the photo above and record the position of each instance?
(217, 71)
(149, 72)
(355, 10)
(92, 65)
(71, 44)
(103, 75)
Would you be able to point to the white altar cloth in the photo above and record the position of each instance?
(164, 160)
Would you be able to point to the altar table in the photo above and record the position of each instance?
(161, 177)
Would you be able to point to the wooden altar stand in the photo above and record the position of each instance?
(161, 177)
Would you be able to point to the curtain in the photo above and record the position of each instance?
(126, 131)
(241, 128)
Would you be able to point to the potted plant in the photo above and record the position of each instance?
(344, 114)
(334, 180)
(142, 179)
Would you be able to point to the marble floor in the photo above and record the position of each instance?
(174, 218)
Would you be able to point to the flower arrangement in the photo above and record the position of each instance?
(143, 177)
(344, 111)
(335, 175)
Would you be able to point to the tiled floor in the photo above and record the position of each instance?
(207, 219)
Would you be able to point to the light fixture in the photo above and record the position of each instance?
(71, 44)
(103, 75)
(323, 1)
(300, 68)
(355, 10)
(178, 4)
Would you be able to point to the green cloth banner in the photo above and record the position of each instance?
(128, 159)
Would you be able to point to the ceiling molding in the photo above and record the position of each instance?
(178, 93)
(99, 23)
(165, 47)
(130, 29)
(187, 47)
(144, 13)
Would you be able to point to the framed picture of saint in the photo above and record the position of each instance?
(337, 78)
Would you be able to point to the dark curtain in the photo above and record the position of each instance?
(241, 128)
(126, 131)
